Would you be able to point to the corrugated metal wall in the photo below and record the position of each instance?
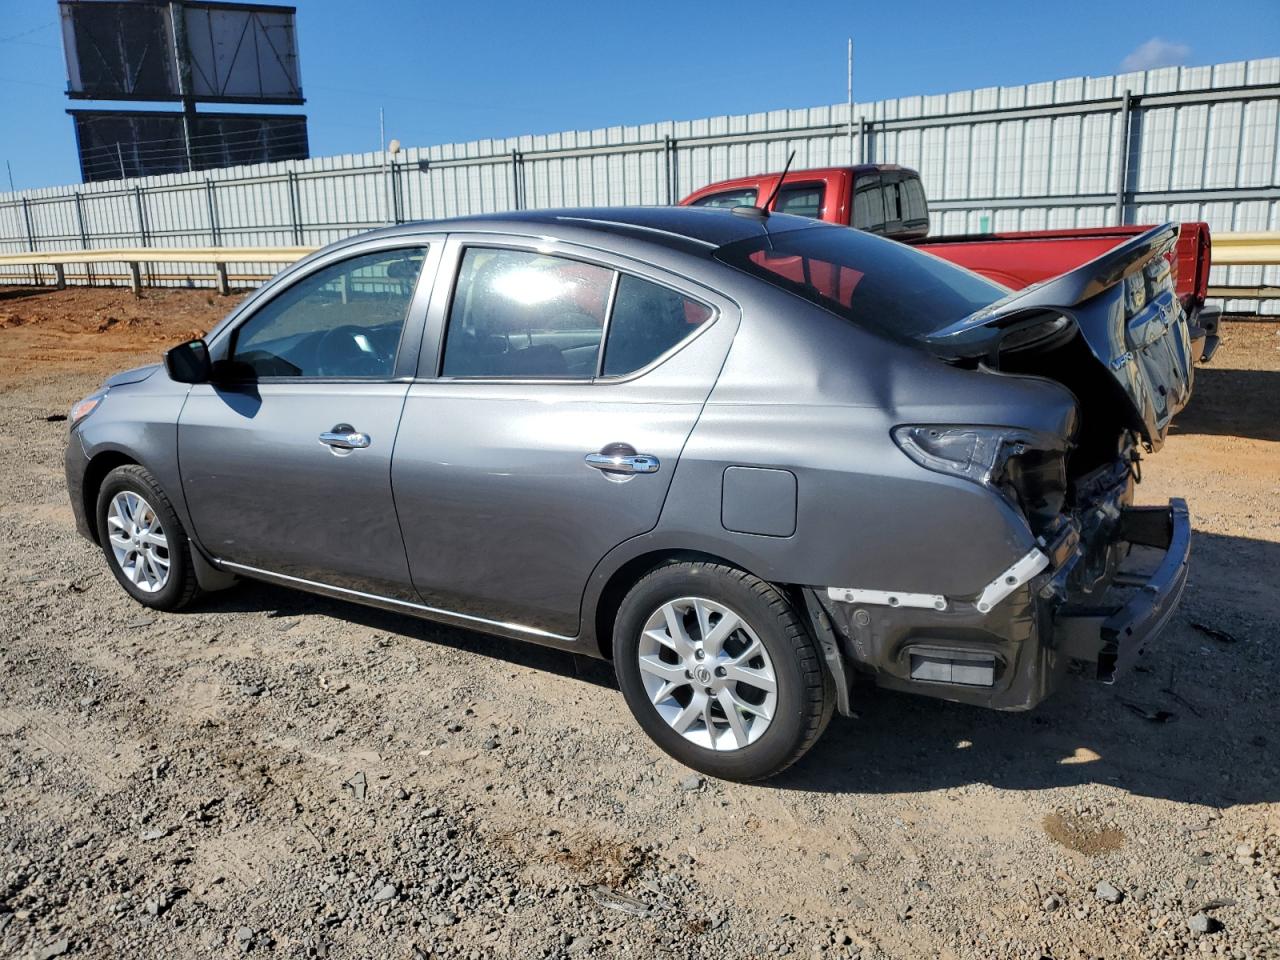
(1179, 143)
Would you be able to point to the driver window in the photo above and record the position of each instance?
(343, 321)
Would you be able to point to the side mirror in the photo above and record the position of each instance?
(189, 362)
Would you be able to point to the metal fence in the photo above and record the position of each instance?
(1178, 143)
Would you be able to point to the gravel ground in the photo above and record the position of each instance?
(280, 775)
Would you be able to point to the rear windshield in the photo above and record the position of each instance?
(874, 282)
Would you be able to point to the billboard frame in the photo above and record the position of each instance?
(179, 53)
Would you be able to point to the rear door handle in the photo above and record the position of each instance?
(345, 437)
(623, 463)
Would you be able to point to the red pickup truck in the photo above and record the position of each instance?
(890, 200)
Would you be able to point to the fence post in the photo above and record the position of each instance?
(675, 169)
(211, 204)
(135, 278)
(397, 199)
(666, 169)
(142, 232)
(515, 180)
(295, 208)
(36, 279)
(84, 236)
(1122, 156)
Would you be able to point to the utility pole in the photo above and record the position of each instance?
(9, 167)
(120, 157)
(849, 90)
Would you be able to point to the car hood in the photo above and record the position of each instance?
(1123, 305)
(136, 375)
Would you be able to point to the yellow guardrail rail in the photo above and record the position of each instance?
(162, 255)
(133, 256)
(1246, 249)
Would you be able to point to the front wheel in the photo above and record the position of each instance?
(143, 540)
(720, 671)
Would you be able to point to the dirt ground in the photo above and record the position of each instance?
(281, 775)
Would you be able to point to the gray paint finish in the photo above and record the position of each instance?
(758, 500)
(264, 492)
(473, 503)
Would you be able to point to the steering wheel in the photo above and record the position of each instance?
(349, 351)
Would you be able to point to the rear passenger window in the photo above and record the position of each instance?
(521, 314)
(648, 320)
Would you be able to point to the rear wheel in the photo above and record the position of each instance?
(720, 671)
(144, 543)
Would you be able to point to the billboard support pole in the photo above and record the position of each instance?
(182, 57)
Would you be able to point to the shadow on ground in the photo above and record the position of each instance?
(20, 293)
(1237, 403)
(1193, 723)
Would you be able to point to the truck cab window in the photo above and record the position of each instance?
(745, 197)
(868, 205)
(801, 200)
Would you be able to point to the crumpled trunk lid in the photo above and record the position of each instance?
(1122, 304)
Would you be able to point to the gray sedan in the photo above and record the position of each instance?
(745, 457)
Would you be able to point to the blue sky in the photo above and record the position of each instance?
(460, 71)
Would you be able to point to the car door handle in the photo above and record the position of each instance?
(345, 437)
(623, 463)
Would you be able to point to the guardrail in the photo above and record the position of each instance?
(1229, 249)
(1246, 249)
(134, 257)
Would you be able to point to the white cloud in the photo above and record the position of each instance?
(1156, 52)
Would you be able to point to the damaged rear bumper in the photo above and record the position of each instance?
(1012, 653)
(1112, 634)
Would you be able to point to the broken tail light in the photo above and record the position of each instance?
(1026, 468)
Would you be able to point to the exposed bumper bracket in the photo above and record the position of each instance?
(1022, 570)
(888, 598)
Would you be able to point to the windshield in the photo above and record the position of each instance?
(874, 282)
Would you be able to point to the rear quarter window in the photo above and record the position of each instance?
(876, 283)
(647, 321)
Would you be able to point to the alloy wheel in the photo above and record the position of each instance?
(138, 541)
(707, 674)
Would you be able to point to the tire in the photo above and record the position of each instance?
(158, 576)
(770, 642)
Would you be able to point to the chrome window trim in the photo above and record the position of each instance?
(617, 263)
(222, 338)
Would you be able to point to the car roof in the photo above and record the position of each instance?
(696, 230)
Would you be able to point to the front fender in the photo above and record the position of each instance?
(139, 422)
